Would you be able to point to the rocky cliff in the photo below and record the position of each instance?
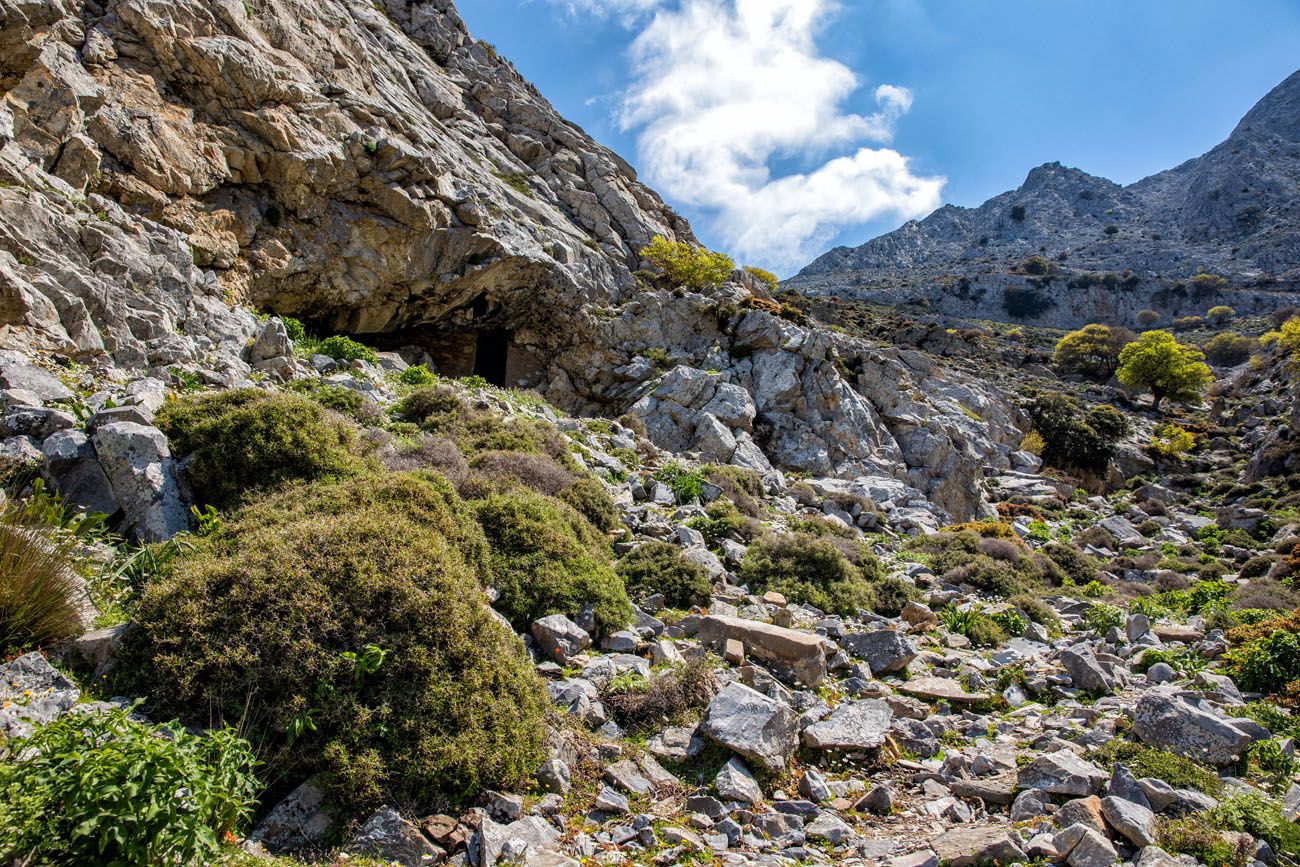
(1112, 250)
(369, 168)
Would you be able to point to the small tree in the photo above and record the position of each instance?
(1158, 363)
(1229, 349)
(1147, 318)
(1220, 314)
(686, 264)
(1093, 350)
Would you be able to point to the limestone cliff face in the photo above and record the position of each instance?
(168, 165)
(1233, 212)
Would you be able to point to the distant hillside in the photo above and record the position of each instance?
(1110, 250)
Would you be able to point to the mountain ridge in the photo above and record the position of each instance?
(1231, 211)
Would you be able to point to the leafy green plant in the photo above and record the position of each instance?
(686, 264)
(1100, 618)
(687, 485)
(1144, 761)
(417, 374)
(100, 788)
(295, 329)
(980, 628)
(1172, 441)
(340, 347)
(206, 520)
(1266, 664)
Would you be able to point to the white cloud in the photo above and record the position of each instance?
(723, 88)
(627, 11)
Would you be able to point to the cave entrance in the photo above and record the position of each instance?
(492, 355)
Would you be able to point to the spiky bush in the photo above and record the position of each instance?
(346, 624)
(242, 440)
(40, 592)
(658, 567)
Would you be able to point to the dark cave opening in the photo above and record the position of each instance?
(492, 355)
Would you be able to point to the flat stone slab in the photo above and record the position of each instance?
(942, 689)
(802, 654)
(854, 725)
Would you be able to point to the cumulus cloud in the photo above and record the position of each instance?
(722, 89)
(626, 11)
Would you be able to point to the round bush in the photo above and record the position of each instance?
(889, 595)
(346, 624)
(659, 567)
(810, 569)
(593, 502)
(547, 559)
(343, 348)
(245, 439)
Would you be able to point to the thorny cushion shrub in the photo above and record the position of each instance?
(426, 452)
(256, 623)
(547, 559)
(812, 569)
(539, 472)
(659, 567)
(441, 410)
(591, 500)
(1080, 567)
(247, 439)
(742, 486)
(661, 699)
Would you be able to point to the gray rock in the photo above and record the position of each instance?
(533, 834)
(559, 637)
(1085, 847)
(610, 801)
(387, 836)
(1135, 823)
(1029, 805)
(814, 786)
(879, 799)
(885, 650)
(1062, 773)
(830, 828)
(16, 373)
(74, 471)
(854, 725)
(140, 469)
(1161, 672)
(1085, 671)
(299, 821)
(735, 783)
(1171, 724)
(967, 847)
(625, 774)
(1124, 785)
(799, 654)
(554, 776)
(752, 724)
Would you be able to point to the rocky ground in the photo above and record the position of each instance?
(1079, 720)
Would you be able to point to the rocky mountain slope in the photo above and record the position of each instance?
(373, 170)
(1112, 251)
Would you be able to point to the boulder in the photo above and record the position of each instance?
(392, 839)
(885, 650)
(1172, 724)
(1062, 773)
(142, 473)
(299, 821)
(967, 847)
(735, 783)
(752, 724)
(74, 471)
(1085, 672)
(854, 725)
(559, 637)
(942, 689)
(801, 655)
(1135, 823)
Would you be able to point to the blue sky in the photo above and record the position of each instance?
(765, 121)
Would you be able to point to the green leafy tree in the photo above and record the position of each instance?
(1093, 350)
(686, 264)
(1158, 363)
(1074, 438)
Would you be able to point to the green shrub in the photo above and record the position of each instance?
(721, 520)
(664, 698)
(589, 497)
(1074, 438)
(440, 409)
(1036, 610)
(659, 567)
(767, 278)
(1228, 349)
(742, 485)
(294, 328)
(980, 628)
(1172, 441)
(244, 439)
(40, 591)
(1266, 664)
(1079, 567)
(686, 264)
(343, 348)
(417, 374)
(99, 788)
(346, 625)
(687, 485)
(1258, 816)
(811, 569)
(547, 559)
(889, 595)
(1195, 837)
